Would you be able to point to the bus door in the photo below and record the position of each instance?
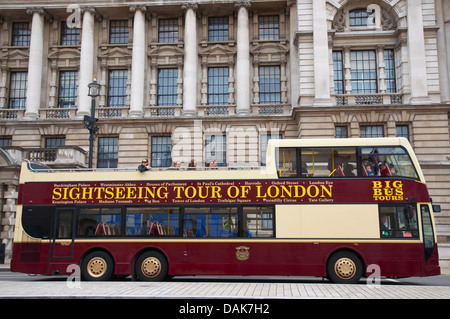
(63, 238)
(428, 233)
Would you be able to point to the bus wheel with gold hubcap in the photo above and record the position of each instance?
(344, 267)
(97, 266)
(151, 266)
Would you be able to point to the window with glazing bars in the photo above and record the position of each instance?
(389, 70)
(167, 87)
(118, 32)
(161, 151)
(108, 149)
(54, 142)
(216, 149)
(341, 131)
(218, 29)
(269, 85)
(67, 88)
(21, 34)
(5, 141)
(18, 90)
(364, 71)
(403, 131)
(372, 131)
(69, 36)
(269, 27)
(338, 72)
(117, 88)
(358, 17)
(168, 30)
(217, 86)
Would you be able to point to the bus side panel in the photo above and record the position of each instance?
(31, 258)
(275, 258)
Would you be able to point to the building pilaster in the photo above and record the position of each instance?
(190, 60)
(243, 60)
(34, 82)
(138, 62)
(416, 48)
(86, 61)
(321, 62)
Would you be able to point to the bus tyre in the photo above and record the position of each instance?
(344, 268)
(151, 266)
(97, 266)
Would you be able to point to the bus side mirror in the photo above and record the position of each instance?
(436, 208)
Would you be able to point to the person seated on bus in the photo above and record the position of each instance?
(192, 164)
(144, 166)
(392, 170)
(336, 161)
(369, 171)
(175, 166)
(348, 169)
(212, 164)
(384, 226)
(304, 169)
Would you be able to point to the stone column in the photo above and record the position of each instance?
(243, 60)
(381, 69)
(3, 85)
(321, 62)
(34, 82)
(190, 60)
(86, 62)
(138, 62)
(416, 48)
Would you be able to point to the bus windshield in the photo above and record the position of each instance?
(338, 162)
(387, 161)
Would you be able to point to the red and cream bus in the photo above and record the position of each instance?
(327, 208)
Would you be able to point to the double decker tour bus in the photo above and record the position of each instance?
(327, 208)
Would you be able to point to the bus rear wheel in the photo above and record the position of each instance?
(151, 266)
(344, 268)
(97, 266)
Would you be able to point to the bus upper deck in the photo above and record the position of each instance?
(286, 158)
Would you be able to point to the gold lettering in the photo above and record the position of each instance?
(56, 193)
(328, 191)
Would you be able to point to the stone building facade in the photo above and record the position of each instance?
(214, 80)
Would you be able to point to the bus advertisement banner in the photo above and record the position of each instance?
(298, 191)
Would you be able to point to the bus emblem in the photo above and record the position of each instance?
(242, 253)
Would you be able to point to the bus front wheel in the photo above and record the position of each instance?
(344, 267)
(151, 266)
(97, 266)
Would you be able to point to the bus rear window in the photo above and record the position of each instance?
(287, 162)
(37, 221)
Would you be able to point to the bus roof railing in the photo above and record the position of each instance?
(41, 168)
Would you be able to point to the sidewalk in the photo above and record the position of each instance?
(6, 265)
(214, 290)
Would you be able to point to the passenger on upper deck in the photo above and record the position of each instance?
(192, 165)
(144, 166)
